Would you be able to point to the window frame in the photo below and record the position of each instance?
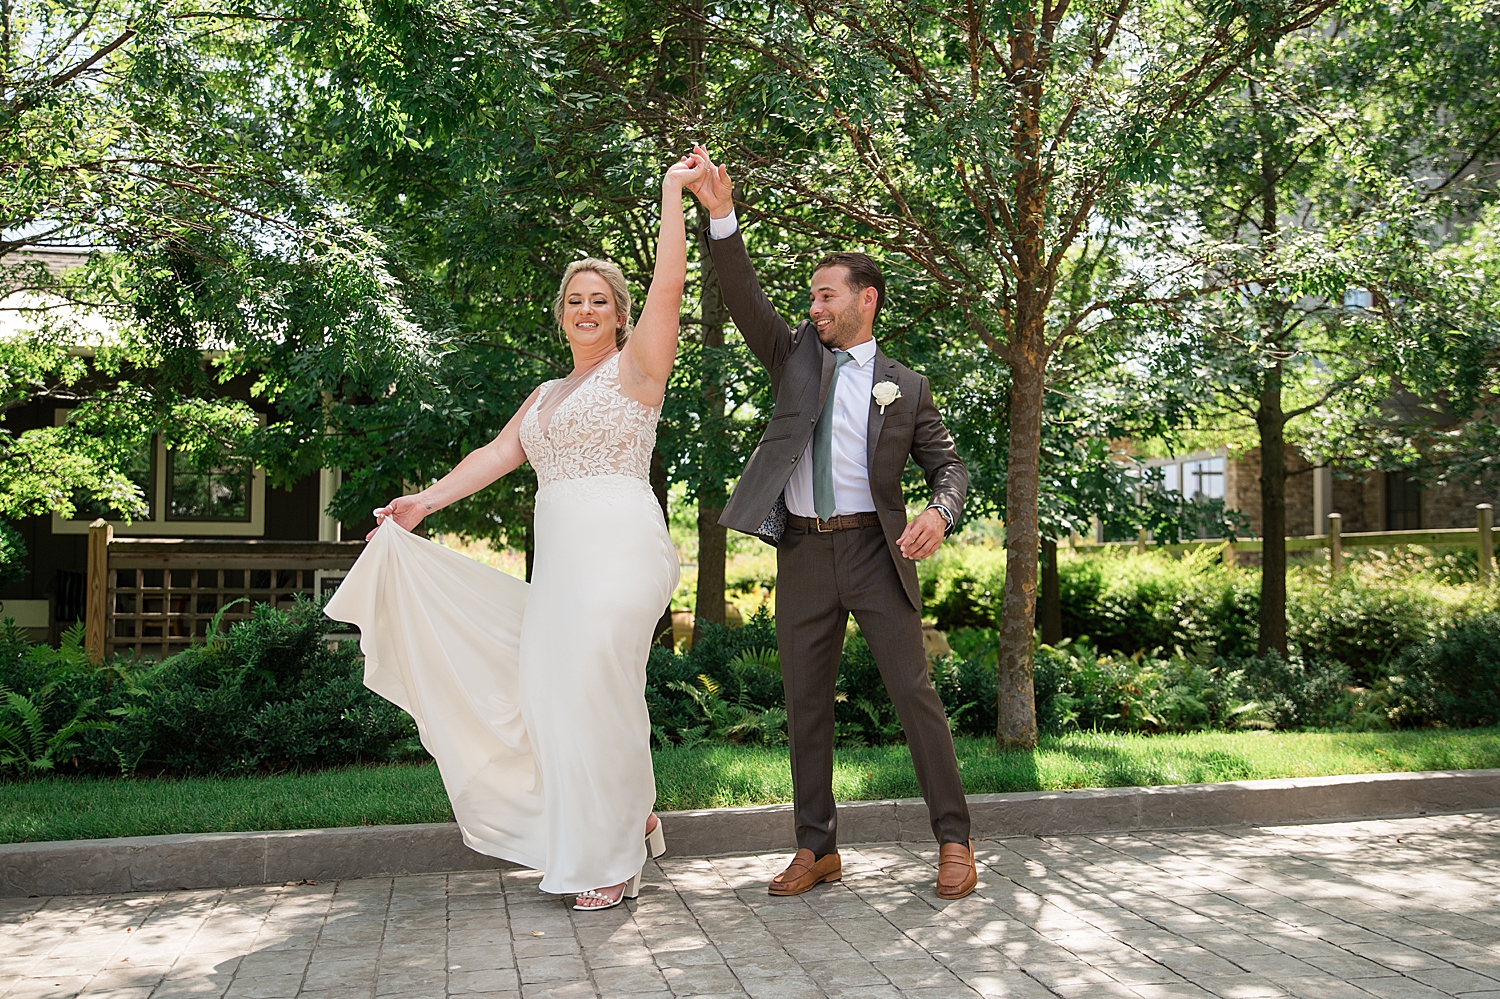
(166, 499)
(159, 525)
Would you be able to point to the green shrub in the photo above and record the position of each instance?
(721, 688)
(1128, 602)
(1454, 678)
(27, 744)
(962, 586)
(1132, 601)
(752, 573)
(1371, 613)
(270, 695)
(1293, 692)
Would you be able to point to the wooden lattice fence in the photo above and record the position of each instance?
(152, 597)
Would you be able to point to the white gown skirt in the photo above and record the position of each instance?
(531, 699)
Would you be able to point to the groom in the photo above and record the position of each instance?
(824, 486)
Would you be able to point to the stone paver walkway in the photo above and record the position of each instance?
(1391, 909)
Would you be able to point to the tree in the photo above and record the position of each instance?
(1309, 239)
(156, 135)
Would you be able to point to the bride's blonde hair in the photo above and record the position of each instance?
(614, 277)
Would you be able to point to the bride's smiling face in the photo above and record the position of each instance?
(589, 314)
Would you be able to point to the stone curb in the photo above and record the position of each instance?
(220, 860)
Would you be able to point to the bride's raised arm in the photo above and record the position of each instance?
(478, 469)
(647, 357)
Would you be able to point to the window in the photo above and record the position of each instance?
(1171, 478)
(1203, 478)
(1403, 502)
(197, 489)
(186, 496)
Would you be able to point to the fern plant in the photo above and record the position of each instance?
(25, 744)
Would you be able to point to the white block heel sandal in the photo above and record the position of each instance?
(656, 842)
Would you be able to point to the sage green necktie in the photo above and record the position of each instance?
(822, 456)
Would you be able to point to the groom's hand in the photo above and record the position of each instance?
(923, 535)
(714, 189)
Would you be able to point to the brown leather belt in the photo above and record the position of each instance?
(849, 521)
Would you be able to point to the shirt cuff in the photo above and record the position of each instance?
(947, 515)
(723, 228)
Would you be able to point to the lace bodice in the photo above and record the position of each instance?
(597, 430)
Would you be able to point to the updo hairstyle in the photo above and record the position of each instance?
(614, 277)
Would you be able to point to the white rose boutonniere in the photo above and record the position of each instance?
(885, 393)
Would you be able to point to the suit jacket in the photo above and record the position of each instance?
(801, 369)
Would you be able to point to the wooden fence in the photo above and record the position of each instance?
(1335, 541)
(153, 597)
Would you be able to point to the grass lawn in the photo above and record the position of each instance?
(723, 776)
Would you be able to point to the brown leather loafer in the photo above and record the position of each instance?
(805, 872)
(957, 875)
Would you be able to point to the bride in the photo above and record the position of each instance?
(532, 698)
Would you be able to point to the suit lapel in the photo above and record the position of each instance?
(826, 356)
(885, 370)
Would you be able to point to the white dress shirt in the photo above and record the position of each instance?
(851, 428)
(850, 400)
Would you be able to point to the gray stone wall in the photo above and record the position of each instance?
(1452, 504)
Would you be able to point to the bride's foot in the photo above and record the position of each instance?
(600, 898)
(608, 898)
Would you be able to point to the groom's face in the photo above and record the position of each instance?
(836, 308)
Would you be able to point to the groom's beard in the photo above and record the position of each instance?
(843, 331)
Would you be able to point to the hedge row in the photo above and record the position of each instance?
(1365, 618)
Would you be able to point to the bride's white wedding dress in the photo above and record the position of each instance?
(531, 698)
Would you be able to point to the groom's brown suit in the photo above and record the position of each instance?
(823, 577)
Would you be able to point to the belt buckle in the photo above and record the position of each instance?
(818, 523)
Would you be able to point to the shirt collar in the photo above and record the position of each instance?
(862, 353)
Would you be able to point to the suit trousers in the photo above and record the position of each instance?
(820, 580)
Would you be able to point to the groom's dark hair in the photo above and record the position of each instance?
(864, 272)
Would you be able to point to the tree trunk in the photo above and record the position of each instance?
(659, 487)
(1026, 356)
(1017, 705)
(1049, 609)
(1271, 423)
(708, 603)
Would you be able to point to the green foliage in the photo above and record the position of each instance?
(1364, 618)
(26, 744)
(1454, 678)
(962, 585)
(270, 695)
(1134, 602)
(12, 554)
(727, 686)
